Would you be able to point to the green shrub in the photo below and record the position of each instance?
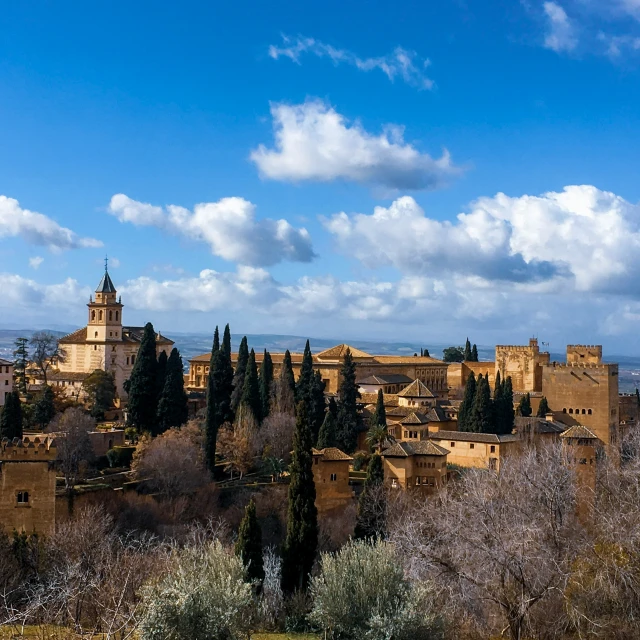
(360, 460)
(120, 456)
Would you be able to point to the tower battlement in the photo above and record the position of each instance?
(598, 366)
(584, 353)
(28, 448)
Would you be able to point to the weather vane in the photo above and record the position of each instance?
(106, 262)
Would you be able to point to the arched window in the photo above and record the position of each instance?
(584, 411)
(570, 410)
(564, 410)
(100, 315)
(93, 314)
(117, 315)
(589, 411)
(133, 359)
(110, 316)
(96, 334)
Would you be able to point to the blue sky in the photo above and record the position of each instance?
(300, 167)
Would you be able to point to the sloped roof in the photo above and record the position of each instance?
(106, 284)
(339, 352)
(390, 399)
(540, 425)
(417, 389)
(419, 447)
(331, 453)
(393, 378)
(579, 431)
(5, 363)
(436, 414)
(466, 436)
(76, 337)
(415, 417)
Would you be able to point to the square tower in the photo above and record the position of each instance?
(105, 313)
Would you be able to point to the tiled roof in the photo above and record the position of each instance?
(399, 412)
(415, 417)
(540, 425)
(339, 352)
(579, 431)
(419, 447)
(417, 389)
(106, 285)
(331, 453)
(393, 378)
(408, 359)
(436, 414)
(5, 363)
(466, 436)
(390, 399)
(68, 375)
(77, 337)
(129, 334)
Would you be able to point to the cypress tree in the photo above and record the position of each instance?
(172, 408)
(482, 413)
(426, 353)
(327, 435)
(300, 545)
(238, 376)
(161, 373)
(44, 409)
(287, 372)
(543, 408)
(524, 408)
(474, 353)
(11, 417)
(226, 341)
(348, 394)
(211, 424)
(305, 380)
(143, 406)
(421, 352)
(498, 405)
(333, 407)
(370, 521)
(318, 405)
(266, 379)
(20, 362)
(507, 406)
(216, 340)
(251, 389)
(467, 351)
(466, 406)
(380, 415)
(249, 544)
(224, 377)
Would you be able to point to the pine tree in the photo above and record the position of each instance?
(327, 435)
(238, 376)
(524, 408)
(466, 406)
(380, 415)
(482, 413)
(172, 408)
(142, 406)
(348, 394)
(474, 353)
(467, 351)
(300, 546)
(543, 408)
(266, 380)
(161, 373)
(44, 409)
(370, 521)
(11, 417)
(249, 544)
(508, 416)
(251, 389)
(20, 362)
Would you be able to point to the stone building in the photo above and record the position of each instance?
(331, 477)
(28, 485)
(523, 363)
(6, 379)
(415, 465)
(431, 372)
(105, 343)
(582, 449)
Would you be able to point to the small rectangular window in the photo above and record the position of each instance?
(453, 444)
(22, 497)
(492, 449)
(334, 477)
(472, 446)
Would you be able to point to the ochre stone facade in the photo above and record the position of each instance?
(481, 450)
(523, 363)
(331, 477)
(28, 485)
(6, 379)
(415, 465)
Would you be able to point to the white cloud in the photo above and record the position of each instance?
(400, 63)
(581, 239)
(20, 294)
(616, 46)
(38, 229)
(35, 262)
(228, 226)
(314, 142)
(561, 35)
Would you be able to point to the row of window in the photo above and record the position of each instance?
(426, 481)
(430, 465)
(492, 448)
(583, 411)
(110, 334)
(100, 316)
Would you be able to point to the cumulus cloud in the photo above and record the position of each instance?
(38, 229)
(20, 294)
(579, 239)
(35, 262)
(314, 142)
(400, 63)
(228, 226)
(561, 31)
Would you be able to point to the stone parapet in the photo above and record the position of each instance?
(27, 448)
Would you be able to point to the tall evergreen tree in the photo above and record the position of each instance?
(44, 409)
(172, 408)
(426, 353)
(348, 394)
(327, 435)
(318, 405)
(508, 414)
(421, 352)
(543, 408)
(266, 380)
(304, 385)
(467, 351)
(474, 353)
(332, 407)
(524, 407)
(498, 405)
(286, 372)
(212, 423)
(239, 373)
(216, 341)
(11, 417)
(466, 406)
(249, 544)
(481, 420)
(226, 341)
(300, 545)
(20, 362)
(251, 389)
(161, 373)
(371, 517)
(380, 415)
(143, 406)
(223, 369)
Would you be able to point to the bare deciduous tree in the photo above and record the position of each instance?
(275, 438)
(45, 351)
(239, 444)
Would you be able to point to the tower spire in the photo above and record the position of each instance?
(106, 262)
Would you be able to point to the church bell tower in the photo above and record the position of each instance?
(105, 313)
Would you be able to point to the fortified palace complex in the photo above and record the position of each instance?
(422, 397)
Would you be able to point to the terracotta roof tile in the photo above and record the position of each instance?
(339, 352)
(465, 436)
(417, 389)
(331, 453)
(579, 431)
(418, 447)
